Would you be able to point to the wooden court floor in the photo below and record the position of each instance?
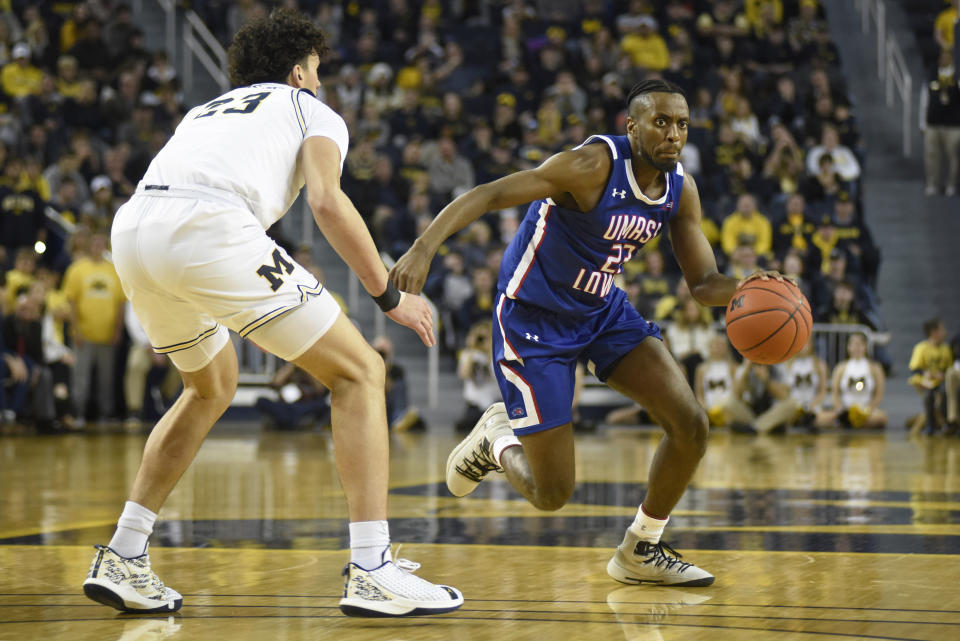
(829, 537)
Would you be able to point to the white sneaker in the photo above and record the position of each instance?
(472, 459)
(129, 585)
(392, 590)
(638, 562)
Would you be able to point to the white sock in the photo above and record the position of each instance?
(502, 444)
(648, 528)
(133, 529)
(369, 541)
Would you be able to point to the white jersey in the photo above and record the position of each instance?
(856, 383)
(247, 143)
(802, 377)
(717, 383)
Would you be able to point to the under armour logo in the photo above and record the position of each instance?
(621, 194)
(533, 337)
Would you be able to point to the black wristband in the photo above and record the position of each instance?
(389, 298)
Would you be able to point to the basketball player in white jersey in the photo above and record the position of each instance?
(858, 386)
(191, 250)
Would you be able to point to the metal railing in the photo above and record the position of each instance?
(891, 66)
(202, 45)
(199, 45)
(829, 340)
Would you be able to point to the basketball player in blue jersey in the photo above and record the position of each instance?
(592, 208)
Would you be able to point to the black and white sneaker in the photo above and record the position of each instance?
(392, 590)
(129, 585)
(638, 562)
(472, 459)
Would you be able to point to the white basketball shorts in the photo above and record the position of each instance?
(193, 265)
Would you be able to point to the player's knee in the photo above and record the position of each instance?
(553, 498)
(217, 387)
(374, 371)
(692, 431)
(700, 426)
(365, 369)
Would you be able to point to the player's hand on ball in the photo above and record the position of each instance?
(410, 272)
(766, 274)
(414, 312)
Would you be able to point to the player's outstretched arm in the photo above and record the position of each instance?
(567, 172)
(337, 218)
(695, 254)
(342, 225)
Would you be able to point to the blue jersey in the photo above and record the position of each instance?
(564, 260)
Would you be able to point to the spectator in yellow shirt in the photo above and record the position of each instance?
(68, 81)
(763, 14)
(647, 48)
(943, 26)
(746, 222)
(19, 78)
(18, 279)
(96, 297)
(928, 364)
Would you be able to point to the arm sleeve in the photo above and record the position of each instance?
(321, 120)
(916, 359)
(70, 284)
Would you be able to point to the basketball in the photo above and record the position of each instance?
(768, 321)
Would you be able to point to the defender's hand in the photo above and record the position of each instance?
(413, 312)
(410, 272)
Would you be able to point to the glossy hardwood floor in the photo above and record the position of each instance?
(829, 537)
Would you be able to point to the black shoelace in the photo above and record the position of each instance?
(657, 553)
(478, 465)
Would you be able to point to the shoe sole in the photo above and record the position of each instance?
(362, 609)
(451, 469)
(619, 573)
(104, 595)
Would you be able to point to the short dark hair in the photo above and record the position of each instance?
(265, 50)
(846, 284)
(931, 325)
(652, 85)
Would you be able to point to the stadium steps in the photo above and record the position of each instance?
(918, 235)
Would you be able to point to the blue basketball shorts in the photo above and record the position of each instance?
(535, 354)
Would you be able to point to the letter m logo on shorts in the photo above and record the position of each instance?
(273, 273)
(735, 303)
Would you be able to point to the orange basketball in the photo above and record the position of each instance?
(768, 321)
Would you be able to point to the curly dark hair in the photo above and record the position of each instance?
(265, 50)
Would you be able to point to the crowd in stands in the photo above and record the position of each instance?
(442, 96)
(439, 96)
(83, 108)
